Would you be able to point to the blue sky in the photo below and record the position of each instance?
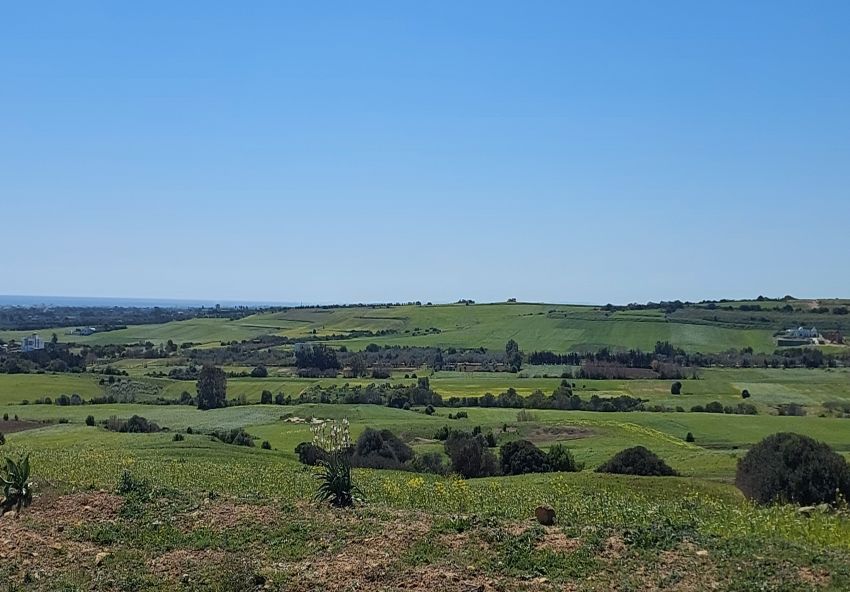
(385, 151)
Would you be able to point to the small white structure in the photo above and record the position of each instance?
(32, 343)
(803, 333)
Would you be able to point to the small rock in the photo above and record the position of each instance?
(545, 515)
(100, 557)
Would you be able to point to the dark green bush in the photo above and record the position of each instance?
(690, 438)
(236, 436)
(676, 388)
(521, 456)
(637, 461)
(430, 462)
(470, 456)
(793, 468)
(266, 398)
(266, 445)
(178, 438)
(561, 459)
(380, 450)
(90, 420)
(310, 454)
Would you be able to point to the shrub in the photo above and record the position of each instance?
(5, 417)
(690, 438)
(698, 409)
(745, 394)
(470, 456)
(490, 439)
(429, 410)
(2, 439)
(17, 489)
(561, 459)
(714, 407)
(788, 467)
(266, 398)
(521, 456)
(189, 430)
(335, 481)
(266, 445)
(637, 461)
(135, 425)
(380, 450)
(259, 372)
(430, 462)
(792, 409)
(676, 388)
(460, 415)
(310, 454)
(524, 415)
(178, 438)
(90, 420)
(236, 436)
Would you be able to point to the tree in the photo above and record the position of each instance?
(266, 398)
(561, 459)
(745, 394)
(212, 388)
(513, 357)
(259, 372)
(470, 456)
(690, 437)
(676, 388)
(792, 468)
(90, 420)
(637, 461)
(521, 456)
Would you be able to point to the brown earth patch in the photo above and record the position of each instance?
(557, 542)
(58, 511)
(228, 514)
(173, 564)
(11, 426)
(550, 433)
(817, 578)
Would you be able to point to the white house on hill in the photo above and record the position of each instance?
(803, 333)
(32, 343)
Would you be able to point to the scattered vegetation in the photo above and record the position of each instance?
(637, 461)
(792, 468)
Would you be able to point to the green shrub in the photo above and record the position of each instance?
(310, 454)
(266, 445)
(236, 436)
(5, 417)
(676, 388)
(521, 456)
(561, 459)
(525, 415)
(90, 420)
(135, 425)
(429, 410)
(789, 467)
(178, 438)
(2, 439)
(470, 456)
(17, 489)
(380, 450)
(690, 437)
(430, 462)
(637, 461)
(266, 398)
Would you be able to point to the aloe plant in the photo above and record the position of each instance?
(17, 488)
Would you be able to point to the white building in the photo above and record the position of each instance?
(32, 343)
(803, 333)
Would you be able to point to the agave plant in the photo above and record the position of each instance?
(334, 474)
(17, 489)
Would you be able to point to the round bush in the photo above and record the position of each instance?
(521, 457)
(676, 388)
(791, 468)
(637, 461)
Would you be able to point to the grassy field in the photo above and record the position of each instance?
(229, 515)
(533, 326)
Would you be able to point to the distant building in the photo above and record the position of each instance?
(32, 343)
(84, 331)
(802, 333)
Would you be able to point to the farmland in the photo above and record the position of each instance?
(203, 514)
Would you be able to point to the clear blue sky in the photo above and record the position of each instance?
(375, 151)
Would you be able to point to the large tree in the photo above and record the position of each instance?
(212, 388)
(513, 356)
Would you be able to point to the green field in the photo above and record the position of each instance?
(534, 326)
